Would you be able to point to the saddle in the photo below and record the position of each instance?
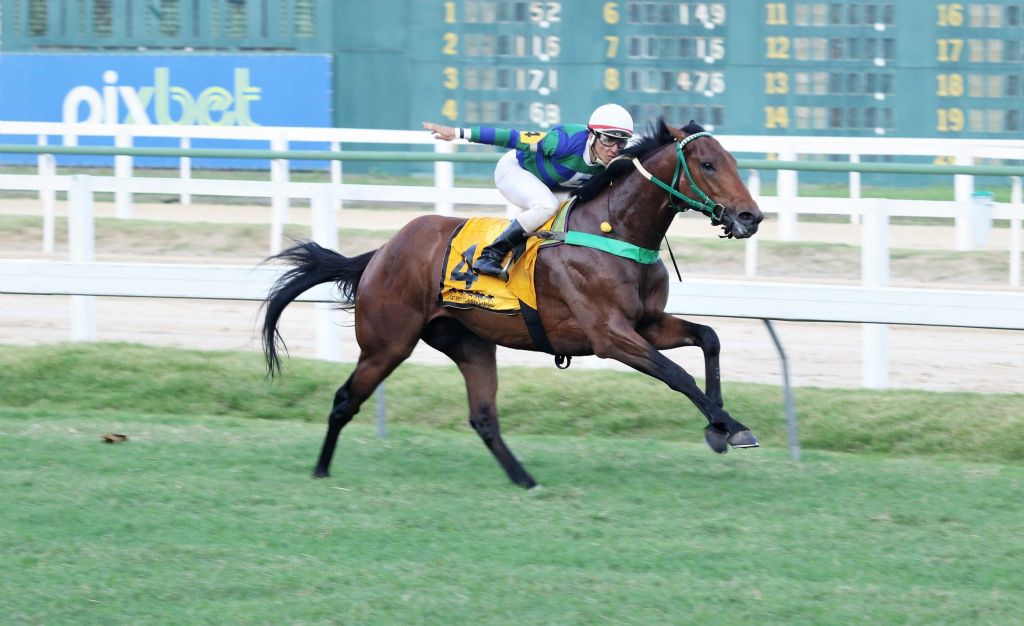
(462, 288)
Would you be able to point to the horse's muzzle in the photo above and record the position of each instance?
(741, 224)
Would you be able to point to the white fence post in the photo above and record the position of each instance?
(336, 171)
(81, 249)
(335, 166)
(185, 172)
(123, 171)
(46, 165)
(444, 178)
(963, 184)
(963, 189)
(786, 189)
(278, 201)
(855, 188)
(875, 273)
(323, 202)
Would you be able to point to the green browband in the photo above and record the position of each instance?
(612, 246)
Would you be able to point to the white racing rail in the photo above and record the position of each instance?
(755, 300)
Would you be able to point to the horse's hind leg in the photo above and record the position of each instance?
(475, 358)
(372, 368)
(341, 414)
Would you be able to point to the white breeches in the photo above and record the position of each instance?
(527, 192)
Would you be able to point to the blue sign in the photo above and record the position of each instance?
(167, 89)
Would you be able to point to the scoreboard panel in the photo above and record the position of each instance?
(913, 68)
(916, 68)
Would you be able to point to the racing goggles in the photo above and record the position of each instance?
(611, 141)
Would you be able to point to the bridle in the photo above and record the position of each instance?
(648, 256)
(705, 205)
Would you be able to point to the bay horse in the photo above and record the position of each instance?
(589, 301)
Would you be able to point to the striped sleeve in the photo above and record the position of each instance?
(505, 137)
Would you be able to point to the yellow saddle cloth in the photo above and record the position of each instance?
(461, 287)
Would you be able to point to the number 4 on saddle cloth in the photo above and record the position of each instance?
(462, 288)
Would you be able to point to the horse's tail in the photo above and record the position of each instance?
(312, 265)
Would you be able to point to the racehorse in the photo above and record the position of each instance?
(590, 301)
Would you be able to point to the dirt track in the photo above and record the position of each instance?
(825, 355)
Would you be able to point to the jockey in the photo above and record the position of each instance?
(540, 165)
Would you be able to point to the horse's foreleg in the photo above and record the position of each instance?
(621, 342)
(671, 332)
(475, 358)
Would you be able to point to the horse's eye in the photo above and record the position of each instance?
(707, 166)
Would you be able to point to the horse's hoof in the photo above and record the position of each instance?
(319, 473)
(526, 482)
(743, 439)
(718, 440)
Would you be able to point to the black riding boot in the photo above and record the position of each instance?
(491, 259)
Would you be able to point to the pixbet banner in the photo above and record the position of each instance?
(167, 89)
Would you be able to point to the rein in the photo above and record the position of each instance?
(706, 205)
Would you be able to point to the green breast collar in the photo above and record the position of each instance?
(626, 250)
(623, 249)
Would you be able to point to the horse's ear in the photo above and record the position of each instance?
(693, 127)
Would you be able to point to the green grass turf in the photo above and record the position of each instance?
(208, 514)
(206, 519)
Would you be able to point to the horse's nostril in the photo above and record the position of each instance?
(747, 217)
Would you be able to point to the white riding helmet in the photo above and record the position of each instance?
(611, 119)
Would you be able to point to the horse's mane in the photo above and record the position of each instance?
(658, 136)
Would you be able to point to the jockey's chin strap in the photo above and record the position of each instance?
(705, 205)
